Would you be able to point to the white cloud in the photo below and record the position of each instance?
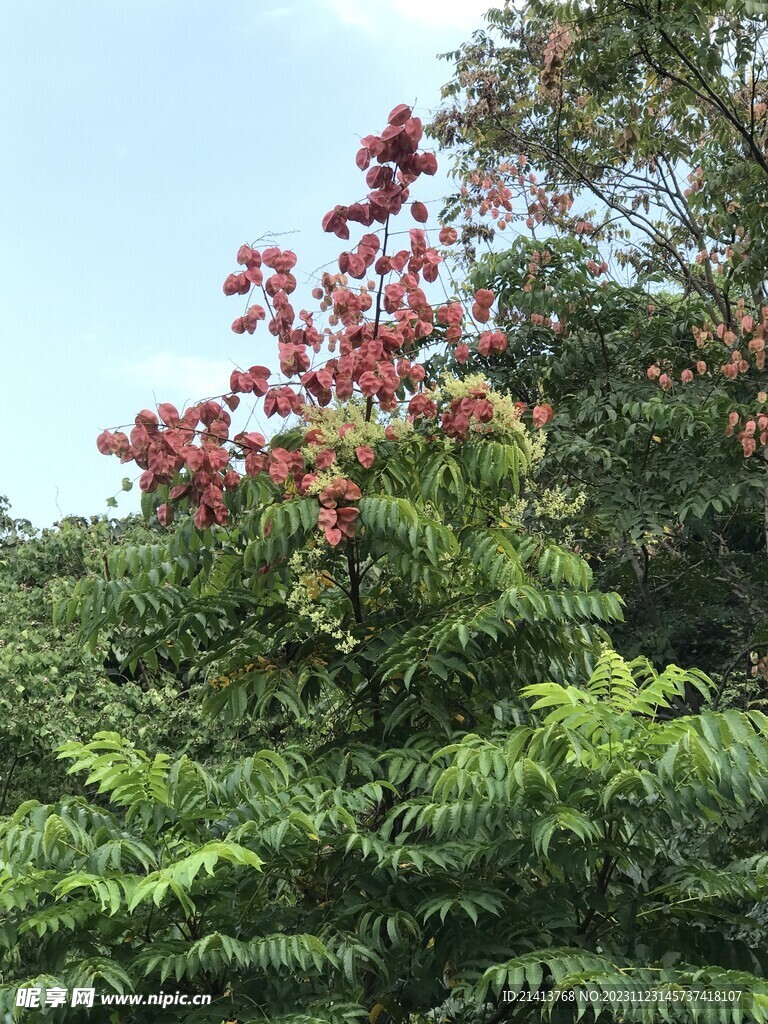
(437, 14)
(179, 378)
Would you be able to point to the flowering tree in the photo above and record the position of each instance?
(388, 495)
(375, 328)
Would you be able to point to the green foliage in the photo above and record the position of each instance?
(646, 459)
(669, 516)
(440, 607)
(54, 688)
(362, 661)
(602, 838)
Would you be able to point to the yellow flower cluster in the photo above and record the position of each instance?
(513, 512)
(316, 616)
(347, 419)
(343, 429)
(554, 505)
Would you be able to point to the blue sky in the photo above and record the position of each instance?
(144, 140)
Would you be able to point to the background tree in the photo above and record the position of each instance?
(53, 688)
(634, 307)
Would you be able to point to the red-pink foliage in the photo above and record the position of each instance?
(373, 334)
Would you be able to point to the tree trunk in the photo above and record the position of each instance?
(642, 582)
